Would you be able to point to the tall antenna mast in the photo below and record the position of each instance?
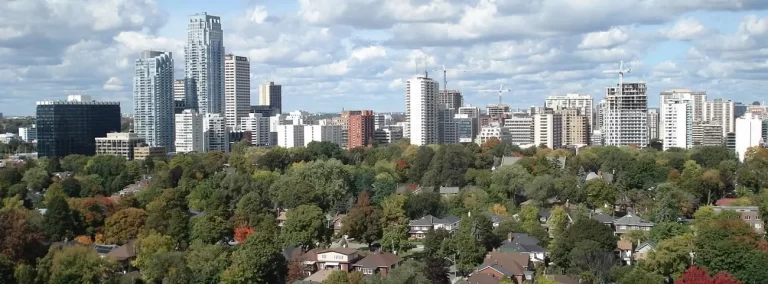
(445, 75)
(426, 57)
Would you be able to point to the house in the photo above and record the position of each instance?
(630, 222)
(523, 243)
(505, 161)
(447, 191)
(603, 218)
(420, 227)
(282, 216)
(337, 258)
(749, 214)
(642, 251)
(336, 223)
(495, 219)
(498, 265)
(124, 255)
(624, 249)
(379, 262)
(608, 177)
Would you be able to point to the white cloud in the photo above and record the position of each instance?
(114, 84)
(686, 29)
(370, 52)
(604, 39)
(258, 14)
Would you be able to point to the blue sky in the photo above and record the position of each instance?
(334, 54)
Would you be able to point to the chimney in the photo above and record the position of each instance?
(509, 237)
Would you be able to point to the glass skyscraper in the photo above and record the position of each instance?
(153, 98)
(204, 61)
(71, 126)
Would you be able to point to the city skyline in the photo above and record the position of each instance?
(329, 60)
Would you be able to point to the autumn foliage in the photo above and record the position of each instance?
(695, 275)
(242, 233)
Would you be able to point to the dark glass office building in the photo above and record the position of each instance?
(71, 126)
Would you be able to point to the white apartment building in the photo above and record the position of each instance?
(381, 120)
(599, 116)
(698, 101)
(421, 110)
(323, 133)
(625, 115)
(290, 136)
(653, 123)
(721, 112)
(258, 126)
(28, 134)
(216, 132)
(178, 90)
(584, 103)
(548, 130)
(494, 130)
(521, 130)
(676, 120)
(237, 88)
(749, 132)
(189, 132)
(204, 61)
(153, 84)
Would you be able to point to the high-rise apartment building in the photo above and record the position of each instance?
(653, 123)
(496, 109)
(258, 126)
(204, 62)
(189, 132)
(153, 98)
(676, 120)
(599, 116)
(749, 132)
(388, 135)
(237, 88)
(216, 132)
(451, 99)
(381, 120)
(71, 126)
(119, 144)
(575, 124)
(323, 133)
(360, 130)
(421, 110)
(271, 95)
(739, 109)
(290, 136)
(707, 134)
(721, 112)
(472, 112)
(521, 130)
(625, 115)
(698, 101)
(178, 90)
(573, 101)
(548, 129)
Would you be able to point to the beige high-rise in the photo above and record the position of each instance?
(237, 89)
(575, 127)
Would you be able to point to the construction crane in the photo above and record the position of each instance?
(621, 71)
(445, 76)
(500, 90)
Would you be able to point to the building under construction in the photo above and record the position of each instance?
(625, 115)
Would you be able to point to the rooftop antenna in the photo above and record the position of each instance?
(426, 58)
(445, 77)
(500, 90)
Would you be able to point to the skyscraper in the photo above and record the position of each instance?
(653, 123)
(215, 132)
(271, 95)
(676, 120)
(189, 132)
(575, 126)
(237, 88)
(451, 99)
(446, 125)
(573, 101)
(361, 129)
(178, 89)
(698, 101)
(71, 126)
(421, 100)
(721, 112)
(204, 62)
(548, 129)
(625, 115)
(153, 98)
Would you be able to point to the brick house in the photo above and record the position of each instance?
(379, 262)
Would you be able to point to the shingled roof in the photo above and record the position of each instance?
(376, 260)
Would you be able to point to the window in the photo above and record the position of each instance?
(338, 257)
(758, 226)
(622, 227)
(747, 217)
(367, 271)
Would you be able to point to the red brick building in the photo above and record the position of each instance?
(361, 128)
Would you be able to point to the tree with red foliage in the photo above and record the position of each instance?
(242, 233)
(20, 238)
(695, 275)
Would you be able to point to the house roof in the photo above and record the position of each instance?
(482, 278)
(376, 260)
(311, 255)
(450, 219)
(631, 219)
(346, 251)
(430, 220)
(590, 176)
(513, 263)
(603, 218)
(319, 276)
(494, 217)
(103, 249)
(648, 244)
(282, 216)
(624, 245)
(123, 252)
(520, 242)
(509, 160)
(449, 190)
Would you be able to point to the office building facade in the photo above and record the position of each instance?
(204, 62)
(707, 134)
(466, 128)
(119, 144)
(388, 135)
(189, 132)
(237, 89)
(153, 98)
(421, 110)
(446, 126)
(71, 126)
(521, 130)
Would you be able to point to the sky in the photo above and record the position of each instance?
(331, 55)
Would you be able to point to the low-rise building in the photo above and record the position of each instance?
(500, 266)
(448, 191)
(377, 262)
(749, 214)
(524, 243)
(642, 251)
(142, 152)
(631, 222)
(420, 227)
(119, 144)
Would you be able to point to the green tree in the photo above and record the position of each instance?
(324, 183)
(529, 218)
(418, 160)
(363, 222)
(37, 179)
(540, 188)
(481, 229)
(600, 193)
(74, 163)
(210, 229)
(207, 262)
(434, 240)
(436, 270)
(409, 272)
(111, 169)
(258, 260)
(599, 235)
(640, 276)
(344, 277)
(167, 267)
(124, 225)
(711, 157)
(6, 270)
(671, 257)
(71, 187)
(150, 247)
(384, 185)
(558, 221)
(305, 226)
(667, 230)
(80, 265)
(509, 180)
(59, 220)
